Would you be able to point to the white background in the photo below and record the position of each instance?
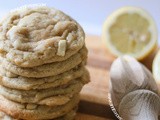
(89, 13)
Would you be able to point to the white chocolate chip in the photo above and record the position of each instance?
(17, 44)
(61, 48)
(22, 106)
(31, 106)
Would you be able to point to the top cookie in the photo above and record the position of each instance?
(34, 36)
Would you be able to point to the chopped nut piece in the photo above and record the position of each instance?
(61, 48)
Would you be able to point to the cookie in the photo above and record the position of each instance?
(47, 69)
(21, 111)
(25, 83)
(68, 116)
(36, 96)
(6, 73)
(34, 36)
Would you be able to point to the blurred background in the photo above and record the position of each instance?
(91, 14)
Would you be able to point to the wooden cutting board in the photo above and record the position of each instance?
(94, 96)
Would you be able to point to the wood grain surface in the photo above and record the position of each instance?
(94, 96)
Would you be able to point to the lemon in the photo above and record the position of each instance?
(156, 67)
(130, 31)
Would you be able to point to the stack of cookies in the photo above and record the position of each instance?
(42, 70)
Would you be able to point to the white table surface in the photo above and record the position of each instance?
(89, 13)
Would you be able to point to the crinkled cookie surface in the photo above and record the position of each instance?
(35, 36)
